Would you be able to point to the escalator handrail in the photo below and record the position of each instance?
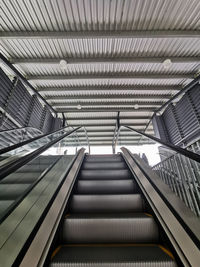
(13, 166)
(175, 148)
(7, 149)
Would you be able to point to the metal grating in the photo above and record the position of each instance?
(114, 50)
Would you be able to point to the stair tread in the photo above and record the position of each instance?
(105, 174)
(91, 255)
(107, 228)
(106, 203)
(106, 186)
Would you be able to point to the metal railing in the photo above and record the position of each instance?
(182, 175)
(180, 171)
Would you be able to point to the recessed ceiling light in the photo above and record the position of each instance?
(167, 63)
(63, 64)
(78, 107)
(136, 106)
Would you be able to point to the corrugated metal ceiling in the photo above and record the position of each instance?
(114, 50)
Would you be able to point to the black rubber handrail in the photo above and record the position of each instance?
(13, 166)
(9, 148)
(177, 149)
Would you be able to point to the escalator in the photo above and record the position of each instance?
(107, 220)
(61, 207)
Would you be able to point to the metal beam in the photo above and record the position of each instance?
(111, 88)
(107, 124)
(108, 118)
(117, 75)
(107, 96)
(106, 103)
(97, 60)
(105, 109)
(124, 131)
(109, 136)
(99, 34)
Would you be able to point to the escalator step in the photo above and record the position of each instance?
(104, 165)
(105, 174)
(106, 187)
(130, 228)
(112, 256)
(103, 158)
(106, 203)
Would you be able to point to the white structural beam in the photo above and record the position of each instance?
(96, 60)
(73, 109)
(117, 75)
(126, 102)
(99, 34)
(150, 88)
(108, 96)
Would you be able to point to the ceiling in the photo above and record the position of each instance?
(114, 52)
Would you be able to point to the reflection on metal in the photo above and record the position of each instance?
(18, 226)
(154, 190)
(41, 243)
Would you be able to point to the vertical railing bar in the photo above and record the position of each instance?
(183, 174)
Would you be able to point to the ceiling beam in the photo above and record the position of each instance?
(108, 118)
(105, 109)
(106, 103)
(123, 130)
(99, 34)
(109, 124)
(117, 75)
(127, 137)
(107, 96)
(111, 88)
(97, 60)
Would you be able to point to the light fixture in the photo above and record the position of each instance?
(136, 106)
(167, 63)
(78, 106)
(63, 64)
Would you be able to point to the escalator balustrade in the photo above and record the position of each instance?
(14, 185)
(106, 222)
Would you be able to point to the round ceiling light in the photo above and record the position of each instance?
(167, 63)
(63, 64)
(79, 106)
(136, 106)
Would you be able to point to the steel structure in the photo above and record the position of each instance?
(114, 56)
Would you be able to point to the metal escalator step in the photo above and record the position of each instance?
(21, 178)
(103, 158)
(105, 174)
(106, 203)
(106, 187)
(130, 228)
(4, 204)
(104, 165)
(112, 256)
(12, 191)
